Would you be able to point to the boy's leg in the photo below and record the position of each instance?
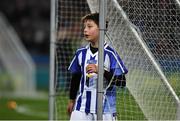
(81, 116)
(107, 117)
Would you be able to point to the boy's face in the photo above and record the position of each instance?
(91, 31)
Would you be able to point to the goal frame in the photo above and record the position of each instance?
(135, 31)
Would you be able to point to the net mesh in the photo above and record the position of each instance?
(155, 23)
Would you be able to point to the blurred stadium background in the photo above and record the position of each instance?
(31, 21)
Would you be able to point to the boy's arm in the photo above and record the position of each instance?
(117, 80)
(74, 85)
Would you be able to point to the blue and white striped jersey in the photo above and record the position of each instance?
(86, 98)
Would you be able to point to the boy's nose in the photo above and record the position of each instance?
(85, 29)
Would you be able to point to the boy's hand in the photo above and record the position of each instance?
(92, 68)
(70, 106)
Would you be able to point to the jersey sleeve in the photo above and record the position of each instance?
(117, 65)
(75, 67)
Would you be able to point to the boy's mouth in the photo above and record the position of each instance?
(86, 36)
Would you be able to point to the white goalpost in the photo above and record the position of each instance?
(146, 36)
(16, 62)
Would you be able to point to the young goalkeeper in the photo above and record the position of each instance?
(84, 69)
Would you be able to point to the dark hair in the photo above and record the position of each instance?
(94, 17)
(91, 16)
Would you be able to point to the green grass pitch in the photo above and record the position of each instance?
(25, 109)
(127, 108)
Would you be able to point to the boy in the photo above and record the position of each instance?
(84, 69)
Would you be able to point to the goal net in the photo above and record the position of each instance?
(146, 36)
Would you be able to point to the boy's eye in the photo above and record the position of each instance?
(88, 26)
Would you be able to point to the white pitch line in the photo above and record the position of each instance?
(28, 111)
